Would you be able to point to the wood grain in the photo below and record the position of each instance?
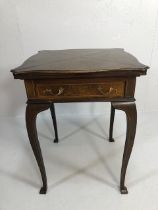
(76, 76)
(79, 63)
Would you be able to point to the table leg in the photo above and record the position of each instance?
(52, 110)
(31, 114)
(131, 115)
(112, 115)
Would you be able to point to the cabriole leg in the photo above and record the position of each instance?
(131, 115)
(31, 114)
(112, 115)
(52, 110)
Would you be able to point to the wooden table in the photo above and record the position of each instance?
(80, 75)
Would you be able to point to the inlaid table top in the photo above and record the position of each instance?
(58, 63)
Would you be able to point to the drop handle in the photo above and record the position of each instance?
(49, 92)
(112, 91)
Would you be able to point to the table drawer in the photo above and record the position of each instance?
(84, 90)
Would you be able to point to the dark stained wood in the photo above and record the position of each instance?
(130, 87)
(112, 116)
(82, 75)
(73, 90)
(80, 63)
(30, 88)
(82, 90)
(52, 110)
(31, 114)
(131, 114)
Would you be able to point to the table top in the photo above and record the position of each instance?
(80, 62)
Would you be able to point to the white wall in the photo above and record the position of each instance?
(29, 26)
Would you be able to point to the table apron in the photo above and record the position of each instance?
(72, 90)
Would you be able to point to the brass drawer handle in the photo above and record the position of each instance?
(111, 92)
(61, 90)
(49, 92)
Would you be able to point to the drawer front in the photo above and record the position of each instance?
(82, 90)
